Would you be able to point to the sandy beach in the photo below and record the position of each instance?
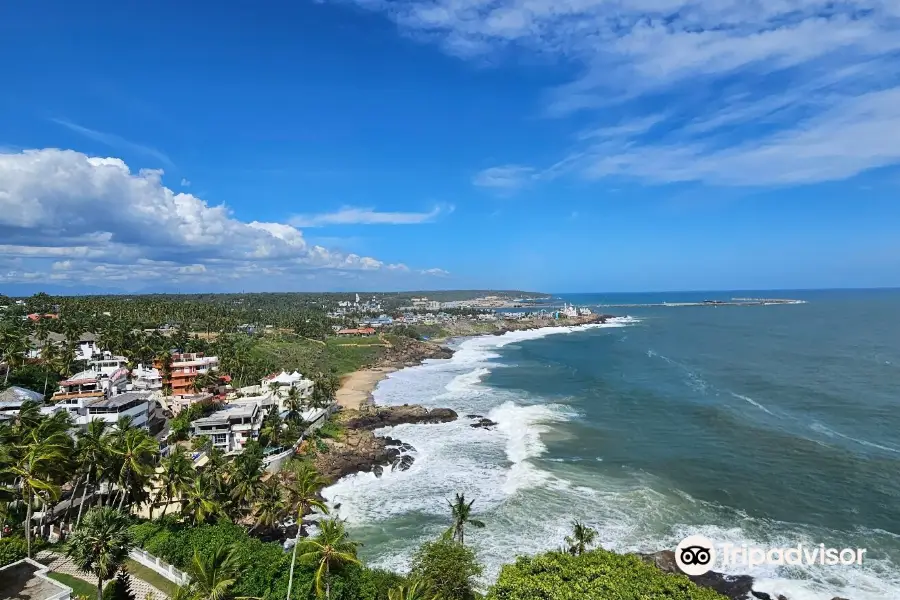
(356, 388)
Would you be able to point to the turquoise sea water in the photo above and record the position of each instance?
(767, 425)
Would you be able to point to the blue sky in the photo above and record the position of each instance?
(558, 145)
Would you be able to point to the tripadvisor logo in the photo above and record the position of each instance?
(696, 555)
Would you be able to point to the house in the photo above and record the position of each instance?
(231, 428)
(28, 580)
(179, 403)
(12, 399)
(146, 378)
(282, 383)
(184, 370)
(86, 347)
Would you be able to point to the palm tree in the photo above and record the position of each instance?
(165, 362)
(213, 575)
(135, 457)
(328, 550)
(37, 463)
(92, 454)
(13, 346)
(246, 477)
(582, 537)
(200, 502)
(174, 479)
(414, 591)
(303, 495)
(461, 517)
(270, 506)
(294, 404)
(49, 355)
(101, 545)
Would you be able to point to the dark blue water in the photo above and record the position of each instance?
(767, 425)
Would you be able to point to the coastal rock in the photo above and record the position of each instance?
(403, 463)
(378, 470)
(397, 415)
(360, 451)
(404, 447)
(483, 423)
(737, 587)
(389, 441)
(474, 416)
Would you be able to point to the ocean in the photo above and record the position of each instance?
(757, 425)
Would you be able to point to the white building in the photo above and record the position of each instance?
(284, 381)
(91, 395)
(231, 428)
(146, 378)
(108, 366)
(569, 310)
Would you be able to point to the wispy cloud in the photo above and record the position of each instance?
(506, 178)
(185, 182)
(759, 93)
(115, 141)
(369, 216)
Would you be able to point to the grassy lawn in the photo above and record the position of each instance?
(309, 356)
(139, 571)
(80, 587)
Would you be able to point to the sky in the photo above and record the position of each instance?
(547, 145)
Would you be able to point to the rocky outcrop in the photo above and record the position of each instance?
(360, 451)
(396, 415)
(407, 352)
(483, 423)
(735, 587)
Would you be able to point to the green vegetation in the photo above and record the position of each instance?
(100, 545)
(337, 355)
(80, 587)
(119, 588)
(447, 568)
(595, 575)
(12, 549)
(211, 521)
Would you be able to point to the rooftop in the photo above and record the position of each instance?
(119, 400)
(225, 415)
(25, 579)
(17, 395)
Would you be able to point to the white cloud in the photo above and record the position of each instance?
(116, 141)
(92, 219)
(368, 216)
(505, 178)
(185, 182)
(435, 272)
(773, 85)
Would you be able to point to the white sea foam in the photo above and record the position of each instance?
(751, 401)
(528, 509)
(832, 433)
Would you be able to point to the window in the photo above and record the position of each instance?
(220, 438)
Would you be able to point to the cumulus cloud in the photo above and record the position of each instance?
(768, 92)
(87, 219)
(368, 216)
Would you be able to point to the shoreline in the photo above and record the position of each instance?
(357, 388)
(734, 586)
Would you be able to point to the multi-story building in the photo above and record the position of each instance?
(144, 378)
(231, 428)
(91, 395)
(184, 370)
